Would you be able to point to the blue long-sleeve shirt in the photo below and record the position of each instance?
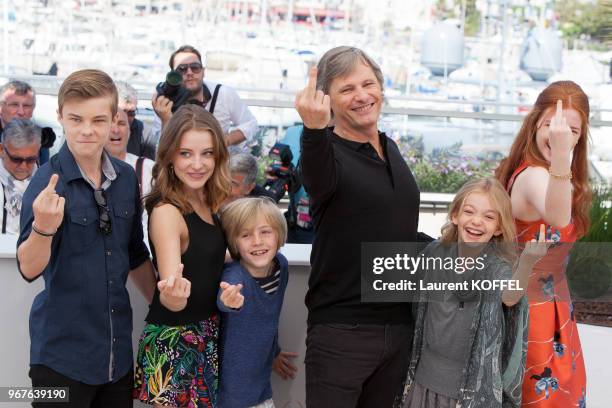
(248, 342)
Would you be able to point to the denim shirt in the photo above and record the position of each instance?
(81, 323)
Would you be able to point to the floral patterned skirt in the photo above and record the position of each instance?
(178, 365)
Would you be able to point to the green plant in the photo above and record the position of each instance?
(600, 215)
(579, 18)
(445, 170)
(589, 271)
(263, 163)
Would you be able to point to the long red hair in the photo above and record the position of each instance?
(525, 149)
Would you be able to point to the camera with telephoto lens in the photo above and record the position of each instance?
(282, 170)
(173, 89)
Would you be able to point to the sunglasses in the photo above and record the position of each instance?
(20, 160)
(195, 67)
(131, 113)
(105, 221)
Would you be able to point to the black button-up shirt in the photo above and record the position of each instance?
(81, 323)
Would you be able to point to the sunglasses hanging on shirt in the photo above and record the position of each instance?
(105, 221)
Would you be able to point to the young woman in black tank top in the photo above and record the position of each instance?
(177, 361)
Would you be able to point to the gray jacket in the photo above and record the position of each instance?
(498, 336)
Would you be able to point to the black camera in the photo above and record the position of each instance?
(282, 170)
(173, 89)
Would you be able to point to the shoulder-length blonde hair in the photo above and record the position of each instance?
(167, 188)
(525, 148)
(505, 242)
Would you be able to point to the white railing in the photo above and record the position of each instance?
(282, 98)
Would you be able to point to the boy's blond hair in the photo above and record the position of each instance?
(241, 213)
(87, 84)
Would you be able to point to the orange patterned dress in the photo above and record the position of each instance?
(554, 373)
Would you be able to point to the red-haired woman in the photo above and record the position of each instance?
(546, 176)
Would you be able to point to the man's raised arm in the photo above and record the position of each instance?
(318, 168)
(48, 212)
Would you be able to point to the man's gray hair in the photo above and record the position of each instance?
(246, 164)
(341, 61)
(126, 93)
(21, 133)
(20, 88)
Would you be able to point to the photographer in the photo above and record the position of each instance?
(299, 213)
(243, 169)
(233, 114)
(281, 174)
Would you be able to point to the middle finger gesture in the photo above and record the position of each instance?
(561, 137)
(313, 105)
(175, 290)
(535, 250)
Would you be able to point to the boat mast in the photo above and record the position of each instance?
(6, 34)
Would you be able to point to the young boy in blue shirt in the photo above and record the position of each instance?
(81, 231)
(250, 299)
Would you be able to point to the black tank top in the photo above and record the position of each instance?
(203, 264)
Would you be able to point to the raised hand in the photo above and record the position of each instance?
(535, 250)
(48, 208)
(231, 296)
(283, 366)
(175, 290)
(561, 139)
(312, 104)
(163, 107)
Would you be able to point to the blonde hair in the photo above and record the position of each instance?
(241, 213)
(87, 84)
(166, 186)
(500, 200)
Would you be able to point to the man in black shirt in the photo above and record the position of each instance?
(361, 190)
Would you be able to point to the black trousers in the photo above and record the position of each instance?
(117, 394)
(356, 365)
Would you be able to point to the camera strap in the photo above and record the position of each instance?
(139, 162)
(213, 101)
(213, 98)
(4, 212)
